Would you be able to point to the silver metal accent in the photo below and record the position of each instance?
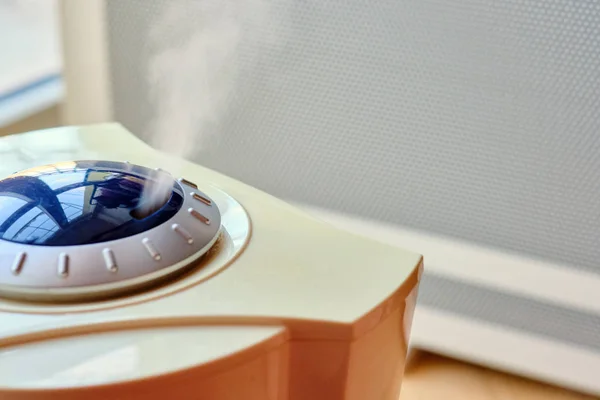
(183, 233)
(200, 198)
(18, 263)
(151, 249)
(187, 183)
(63, 265)
(196, 214)
(109, 260)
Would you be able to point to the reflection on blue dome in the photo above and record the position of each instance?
(83, 202)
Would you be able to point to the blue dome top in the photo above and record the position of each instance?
(84, 202)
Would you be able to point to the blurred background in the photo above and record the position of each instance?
(466, 130)
(31, 83)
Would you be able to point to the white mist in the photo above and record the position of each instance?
(193, 71)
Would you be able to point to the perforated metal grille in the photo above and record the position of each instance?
(473, 119)
(501, 309)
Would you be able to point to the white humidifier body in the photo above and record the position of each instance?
(214, 291)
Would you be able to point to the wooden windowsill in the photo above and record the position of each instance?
(432, 377)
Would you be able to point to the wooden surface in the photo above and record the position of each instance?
(48, 118)
(431, 377)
